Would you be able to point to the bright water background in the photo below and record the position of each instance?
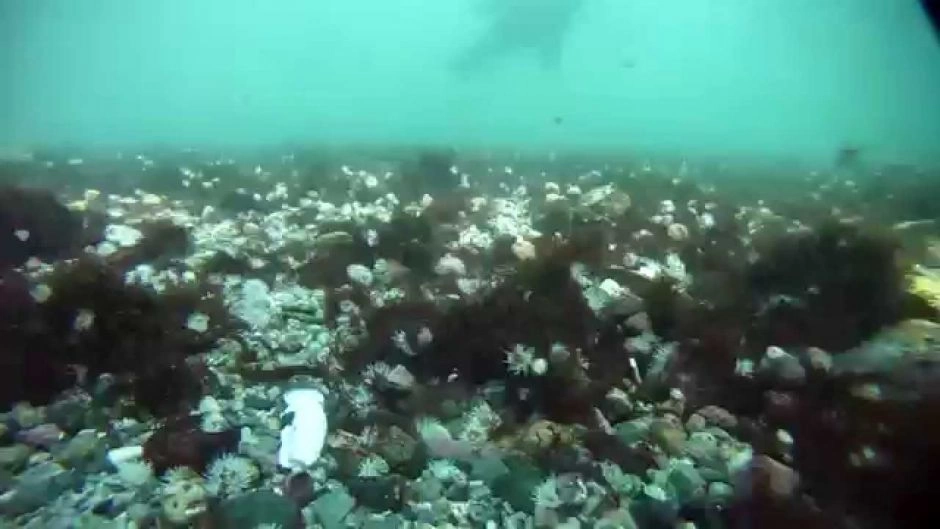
(792, 77)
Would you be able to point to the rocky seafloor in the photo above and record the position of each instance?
(500, 342)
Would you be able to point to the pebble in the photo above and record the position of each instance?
(718, 416)
(84, 446)
(687, 482)
(68, 414)
(488, 468)
(428, 489)
(424, 513)
(27, 416)
(617, 519)
(720, 493)
(398, 447)
(12, 458)
(332, 507)
(378, 494)
(667, 435)
(768, 478)
(250, 510)
(36, 487)
(633, 431)
(383, 521)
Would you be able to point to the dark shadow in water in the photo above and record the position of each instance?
(932, 10)
(512, 26)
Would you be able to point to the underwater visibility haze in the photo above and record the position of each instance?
(488, 264)
(794, 78)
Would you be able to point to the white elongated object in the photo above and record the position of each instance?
(302, 440)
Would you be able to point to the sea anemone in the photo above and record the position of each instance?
(445, 470)
(373, 467)
(135, 473)
(519, 359)
(230, 475)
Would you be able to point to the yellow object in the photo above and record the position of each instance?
(925, 283)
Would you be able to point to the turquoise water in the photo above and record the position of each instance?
(796, 78)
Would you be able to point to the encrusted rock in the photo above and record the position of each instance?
(398, 447)
(669, 435)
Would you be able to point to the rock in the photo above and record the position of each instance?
(400, 378)
(258, 401)
(398, 448)
(382, 521)
(686, 481)
(262, 449)
(818, 359)
(124, 454)
(654, 509)
(27, 416)
(767, 478)
(45, 436)
(516, 486)
(477, 490)
(36, 487)
(668, 435)
(442, 509)
(633, 431)
(299, 487)
(427, 489)
(334, 238)
(458, 492)
(782, 367)
(481, 510)
(488, 468)
(703, 449)
(379, 494)
(68, 414)
(255, 508)
(331, 508)
(606, 200)
(617, 519)
(545, 516)
(718, 416)
(720, 493)
(96, 521)
(12, 458)
(908, 341)
(695, 422)
(7, 480)
(571, 490)
(424, 513)
(138, 512)
(115, 504)
(609, 298)
(84, 446)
